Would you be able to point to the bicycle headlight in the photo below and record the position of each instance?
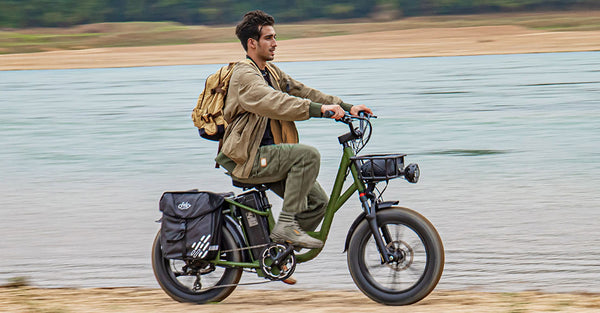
(412, 173)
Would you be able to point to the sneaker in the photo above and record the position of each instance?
(288, 231)
(290, 280)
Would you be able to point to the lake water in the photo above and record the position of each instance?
(508, 145)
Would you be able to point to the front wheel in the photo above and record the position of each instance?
(419, 253)
(197, 281)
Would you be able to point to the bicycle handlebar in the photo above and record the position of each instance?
(357, 132)
(347, 117)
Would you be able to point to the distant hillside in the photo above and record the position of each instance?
(131, 34)
(62, 13)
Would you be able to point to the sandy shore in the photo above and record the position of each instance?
(387, 44)
(27, 299)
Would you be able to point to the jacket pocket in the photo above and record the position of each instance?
(235, 147)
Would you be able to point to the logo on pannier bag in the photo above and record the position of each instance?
(201, 247)
(184, 205)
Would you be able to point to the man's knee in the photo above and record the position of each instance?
(307, 151)
(307, 154)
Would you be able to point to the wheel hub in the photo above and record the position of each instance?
(401, 255)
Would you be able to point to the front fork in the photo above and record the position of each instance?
(379, 234)
(369, 207)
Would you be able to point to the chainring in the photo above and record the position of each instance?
(273, 271)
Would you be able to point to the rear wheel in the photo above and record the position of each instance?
(197, 281)
(418, 251)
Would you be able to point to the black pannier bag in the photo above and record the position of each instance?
(191, 224)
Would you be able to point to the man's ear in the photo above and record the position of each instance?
(251, 43)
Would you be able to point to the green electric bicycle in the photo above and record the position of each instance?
(395, 255)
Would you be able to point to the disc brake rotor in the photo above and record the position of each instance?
(403, 255)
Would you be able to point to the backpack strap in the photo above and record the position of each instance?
(273, 72)
(269, 67)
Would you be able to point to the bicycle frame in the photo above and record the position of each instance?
(336, 201)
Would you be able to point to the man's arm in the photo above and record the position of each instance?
(298, 89)
(293, 87)
(256, 96)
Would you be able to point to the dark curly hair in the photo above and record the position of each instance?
(251, 25)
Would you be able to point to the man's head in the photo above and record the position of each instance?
(257, 35)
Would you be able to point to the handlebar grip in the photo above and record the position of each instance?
(365, 114)
(328, 114)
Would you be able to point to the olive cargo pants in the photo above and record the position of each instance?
(290, 170)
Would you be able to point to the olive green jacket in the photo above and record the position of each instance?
(251, 102)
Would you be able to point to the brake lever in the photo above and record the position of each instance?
(363, 114)
(346, 119)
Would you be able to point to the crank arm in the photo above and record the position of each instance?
(283, 256)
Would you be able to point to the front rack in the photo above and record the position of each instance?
(380, 167)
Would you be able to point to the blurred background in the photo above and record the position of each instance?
(507, 144)
(42, 25)
(60, 13)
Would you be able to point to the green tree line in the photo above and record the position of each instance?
(60, 13)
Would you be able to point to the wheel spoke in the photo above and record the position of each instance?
(394, 277)
(376, 266)
(411, 270)
(416, 243)
(399, 232)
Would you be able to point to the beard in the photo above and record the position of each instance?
(268, 55)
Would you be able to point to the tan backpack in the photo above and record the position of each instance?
(208, 113)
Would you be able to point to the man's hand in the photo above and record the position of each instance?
(337, 110)
(360, 108)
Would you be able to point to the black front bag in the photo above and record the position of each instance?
(191, 224)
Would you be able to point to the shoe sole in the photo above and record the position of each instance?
(279, 239)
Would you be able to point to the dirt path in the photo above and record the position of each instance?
(388, 44)
(27, 299)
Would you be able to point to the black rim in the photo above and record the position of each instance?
(400, 276)
(184, 277)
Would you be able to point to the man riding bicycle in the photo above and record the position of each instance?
(260, 145)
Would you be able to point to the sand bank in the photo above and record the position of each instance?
(27, 299)
(425, 42)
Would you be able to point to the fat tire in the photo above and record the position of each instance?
(434, 263)
(170, 285)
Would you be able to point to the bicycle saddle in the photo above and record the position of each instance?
(246, 186)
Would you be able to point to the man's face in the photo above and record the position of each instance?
(265, 47)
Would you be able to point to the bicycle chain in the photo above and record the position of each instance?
(242, 284)
(245, 248)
